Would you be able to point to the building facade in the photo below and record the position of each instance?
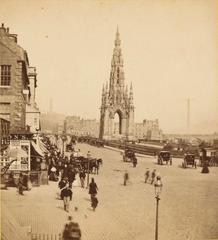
(148, 130)
(117, 99)
(15, 82)
(32, 111)
(4, 134)
(81, 127)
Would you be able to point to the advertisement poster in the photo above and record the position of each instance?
(23, 155)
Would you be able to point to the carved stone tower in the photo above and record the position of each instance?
(116, 99)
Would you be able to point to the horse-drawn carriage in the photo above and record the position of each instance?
(128, 155)
(164, 156)
(189, 160)
(210, 156)
(85, 164)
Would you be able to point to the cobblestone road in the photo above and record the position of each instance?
(188, 206)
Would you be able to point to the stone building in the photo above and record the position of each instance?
(32, 111)
(81, 127)
(16, 87)
(117, 100)
(148, 130)
(4, 134)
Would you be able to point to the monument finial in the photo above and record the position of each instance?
(117, 40)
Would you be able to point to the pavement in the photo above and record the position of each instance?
(188, 207)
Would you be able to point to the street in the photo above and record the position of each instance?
(188, 207)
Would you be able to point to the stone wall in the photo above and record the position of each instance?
(13, 94)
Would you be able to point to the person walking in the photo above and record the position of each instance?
(71, 230)
(67, 197)
(153, 176)
(93, 188)
(82, 176)
(147, 175)
(20, 184)
(126, 178)
(94, 202)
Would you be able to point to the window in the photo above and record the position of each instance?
(5, 75)
(5, 109)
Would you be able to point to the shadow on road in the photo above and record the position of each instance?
(87, 199)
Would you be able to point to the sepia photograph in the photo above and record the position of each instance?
(109, 119)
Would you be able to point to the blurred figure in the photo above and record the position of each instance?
(134, 161)
(94, 202)
(147, 175)
(205, 168)
(153, 176)
(93, 188)
(126, 178)
(82, 177)
(67, 197)
(71, 230)
(20, 184)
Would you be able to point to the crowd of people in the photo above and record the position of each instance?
(65, 169)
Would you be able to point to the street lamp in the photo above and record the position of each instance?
(64, 138)
(158, 188)
(89, 159)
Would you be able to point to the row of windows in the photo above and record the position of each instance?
(5, 75)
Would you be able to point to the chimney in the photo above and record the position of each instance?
(7, 29)
(3, 25)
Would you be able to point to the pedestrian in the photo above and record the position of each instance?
(93, 188)
(153, 175)
(82, 177)
(205, 168)
(67, 197)
(147, 174)
(134, 161)
(94, 202)
(71, 230)
(20, 184)
(126, 178)
(71, 176)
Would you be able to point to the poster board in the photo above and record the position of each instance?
(23, 161)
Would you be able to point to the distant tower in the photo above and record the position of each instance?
(50, 105)
(188, 116)
(116, 99)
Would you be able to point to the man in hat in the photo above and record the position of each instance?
(67, 197)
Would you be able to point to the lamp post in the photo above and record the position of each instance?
(64, 138)
(158, 188)
(89, 158)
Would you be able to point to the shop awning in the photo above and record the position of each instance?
(35, 150)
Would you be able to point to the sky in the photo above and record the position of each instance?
(169, 49)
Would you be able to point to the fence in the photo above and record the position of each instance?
(43, 236)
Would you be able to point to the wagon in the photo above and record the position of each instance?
(210, 156)
(128, 155)
(164, 156)
(189, 160)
